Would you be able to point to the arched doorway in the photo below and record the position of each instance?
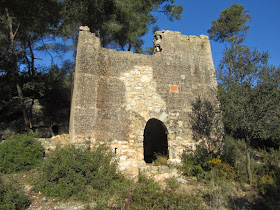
(155, 140)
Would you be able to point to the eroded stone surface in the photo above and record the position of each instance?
(116, 93)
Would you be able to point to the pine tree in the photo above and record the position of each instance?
(249, 87)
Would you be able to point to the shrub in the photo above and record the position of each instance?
(196, 162)
(172, 184)
(266, 182)
(147, 194)
(11, 197)
(234, 154)
(222, 171)
(218, 193)
(204, 164)
(77, 172)
(20, 152)
(144, 194)
(93, 176)
(267, 172)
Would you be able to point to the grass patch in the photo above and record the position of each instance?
(161, 160)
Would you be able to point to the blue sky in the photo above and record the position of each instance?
(197, 16)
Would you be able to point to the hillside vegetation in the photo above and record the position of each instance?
(90, 179)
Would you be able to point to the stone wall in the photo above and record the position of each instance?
(116, 93)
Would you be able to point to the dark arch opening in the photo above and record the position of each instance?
(155, 140)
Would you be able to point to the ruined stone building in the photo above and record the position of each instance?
(139, 104)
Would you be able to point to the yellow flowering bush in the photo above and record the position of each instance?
(266, 182)
(207, 165)
(215, 161)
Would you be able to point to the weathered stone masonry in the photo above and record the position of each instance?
(116, 93)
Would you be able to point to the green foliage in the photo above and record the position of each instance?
(207, 165)
(71, 171)
(248, 100)
(12, 197)
(147, 194)
(119, 23)
(223, 171)
(218, 194)
(27, 23)
(233, 154)
(266, 173)
(265, 167)
(172, 184)
(57, 91)
(266, 182)
(20, 152)
(265, 164)
(92, 176)
(249, 88)
(195, 163)
(206, 123)
(231, 25)
(23, 24)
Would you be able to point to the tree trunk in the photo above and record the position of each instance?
(129, 47)
(23, 109)
(32, 68)
(97, 33)
(248, 161)
(15, 67)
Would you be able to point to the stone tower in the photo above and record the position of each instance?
(140, 104)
